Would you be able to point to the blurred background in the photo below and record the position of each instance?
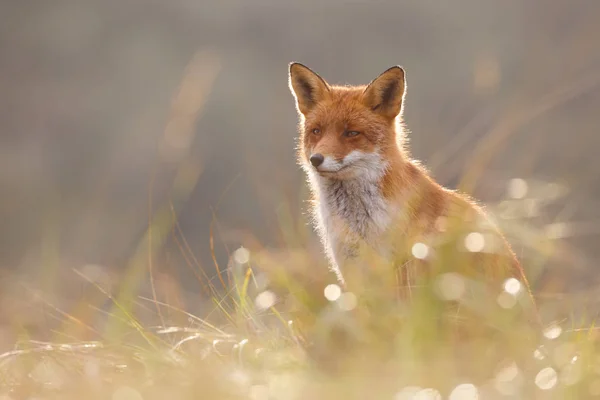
(113, 111)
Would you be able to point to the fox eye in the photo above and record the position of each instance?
(351, 133)
(316, 131)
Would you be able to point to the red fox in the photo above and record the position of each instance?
(370, 197)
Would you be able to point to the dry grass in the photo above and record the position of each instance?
(286, 331)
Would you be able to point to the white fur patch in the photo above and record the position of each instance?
(330, 165)
(351, 207)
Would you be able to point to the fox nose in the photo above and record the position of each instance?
(317, 159)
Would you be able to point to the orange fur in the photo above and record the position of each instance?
(401, 203)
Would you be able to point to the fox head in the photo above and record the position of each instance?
(347, 131)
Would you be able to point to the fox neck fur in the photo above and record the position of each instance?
(348, 211)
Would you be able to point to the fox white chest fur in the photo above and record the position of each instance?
(352, 211)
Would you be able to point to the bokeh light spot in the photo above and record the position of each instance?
(241, 255)
(265, 299)
(332, 292)
(512, 286)
(506, 379)
(546, 379)
(517, 188)
(506, 300)
(451, 286)
(464, 391)
(553, 331)
(538, 354)
(508, 373)
(420, 251)
(474, 242)
(428, 394)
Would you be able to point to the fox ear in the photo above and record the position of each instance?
(307, 87)
(385, 94)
